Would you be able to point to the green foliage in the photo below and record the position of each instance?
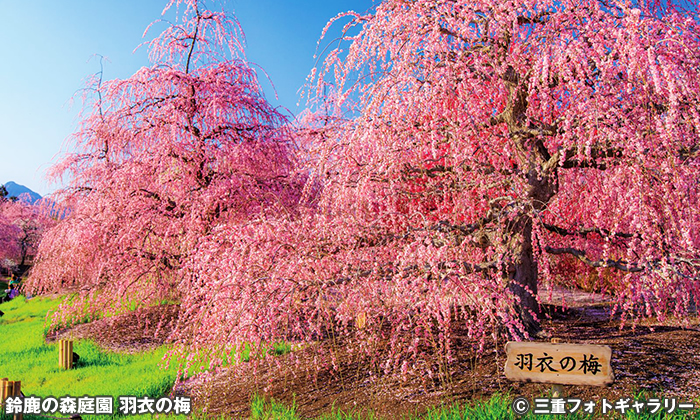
(264, 409)
(27, 358)
(201, 361)
(498, 407)
(281, 348)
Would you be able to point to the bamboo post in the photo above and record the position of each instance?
(7, 390)
(60, 354)
(65, 354)
(3, 395)
(10, 389)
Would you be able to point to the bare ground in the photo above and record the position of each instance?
(657, 357)
(142, 330)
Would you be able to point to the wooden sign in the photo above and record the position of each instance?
(572, 364)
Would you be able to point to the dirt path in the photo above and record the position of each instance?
(651, 357)
(141, 330)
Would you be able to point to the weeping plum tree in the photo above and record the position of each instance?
(494, 138)
(8, 230)
(161, 159)
(21, 227)
(473, 150)
(471, 146)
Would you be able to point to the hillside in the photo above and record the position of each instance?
(15, 190)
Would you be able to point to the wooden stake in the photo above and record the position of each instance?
(557, 389)
(3, 395)
(7, 389)
(65, 354)
(10, 389)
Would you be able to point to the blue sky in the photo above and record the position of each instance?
(48, 46)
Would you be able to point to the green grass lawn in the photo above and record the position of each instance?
(498, 407)
(25, 356)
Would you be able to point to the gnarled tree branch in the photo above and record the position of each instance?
(609, 263)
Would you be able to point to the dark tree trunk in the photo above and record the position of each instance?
(23, 261)
(542, 179)
(522, 273)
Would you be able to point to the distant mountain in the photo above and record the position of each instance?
(15, 190)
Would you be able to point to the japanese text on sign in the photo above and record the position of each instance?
(575, 364)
